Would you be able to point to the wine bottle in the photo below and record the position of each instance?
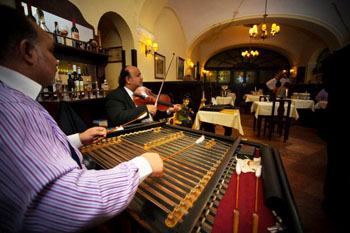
(58, 39)
(76, 81)
(70, 83)
(81, 83)
(75, 34)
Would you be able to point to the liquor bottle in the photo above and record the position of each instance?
(42, 23)
(81, 83)
(70, 83)
(75, 34)
(58, 39)
(105, 87)
(46, 94)
(76, 82)
(30, 14)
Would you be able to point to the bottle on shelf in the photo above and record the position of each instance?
(58, 38)
(70, 84)
(81, 83)
(76, 82)
(105, 87)
(97, 89)
(46, 94)
(42, 23)
(75, 34)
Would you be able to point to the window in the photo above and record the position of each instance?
(250, 77)
(211, 76)
(245, 70)
(224, 76)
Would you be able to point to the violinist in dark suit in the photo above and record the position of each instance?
(120, 107)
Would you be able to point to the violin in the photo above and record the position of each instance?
(144, 96)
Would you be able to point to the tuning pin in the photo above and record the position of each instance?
(238, 169)
(258, 172)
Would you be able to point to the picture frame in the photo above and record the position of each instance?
(180, 68)
(115, 54)
(159, 66)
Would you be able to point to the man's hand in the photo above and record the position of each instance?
(156, 164)
(92, 135)
(176, 108)
(151, 109)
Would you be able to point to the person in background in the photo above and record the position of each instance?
(44, 185)
(322, 95)
(120, 106)
(280, 77)
(284, 79)
(277, 87)
(271, 84)
(283, 91)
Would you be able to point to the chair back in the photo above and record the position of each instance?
(282, 110)
(264, 98)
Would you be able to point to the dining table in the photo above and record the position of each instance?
(222, 100)
(303, 104)
(226, 117)
(264, 108)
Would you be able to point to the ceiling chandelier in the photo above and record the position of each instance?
(250, 53)
(253, 31)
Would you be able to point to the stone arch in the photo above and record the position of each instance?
(115, 32)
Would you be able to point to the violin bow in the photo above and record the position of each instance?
(161, 86)
(121, 127)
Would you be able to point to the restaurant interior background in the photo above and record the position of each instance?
(209, 37)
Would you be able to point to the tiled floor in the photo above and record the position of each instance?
(304, 158)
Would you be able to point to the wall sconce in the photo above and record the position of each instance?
(150, 47)
(293, 72)
(189, 63)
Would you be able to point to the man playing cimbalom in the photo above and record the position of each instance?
(44, 186)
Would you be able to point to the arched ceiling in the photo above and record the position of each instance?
(306, 26)
(197, 16)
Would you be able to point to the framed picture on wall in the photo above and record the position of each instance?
(180, 68)
(115, 54)
(159, 66)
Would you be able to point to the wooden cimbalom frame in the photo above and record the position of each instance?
(195, 177)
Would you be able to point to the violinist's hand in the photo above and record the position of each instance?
(92, 135)
(176, 108)
(156, 164)
(151, 109)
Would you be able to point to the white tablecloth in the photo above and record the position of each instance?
(304, 104)
(225, 119)
(265, 108)
(251, 98)
(224, 100)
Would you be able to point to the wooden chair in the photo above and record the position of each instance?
(173, 120)
(264, 98)
(261, 98)
(280, 116)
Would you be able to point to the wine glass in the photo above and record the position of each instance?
(63, 32)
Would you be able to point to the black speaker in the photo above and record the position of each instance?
(134, 57)
(300, 74)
